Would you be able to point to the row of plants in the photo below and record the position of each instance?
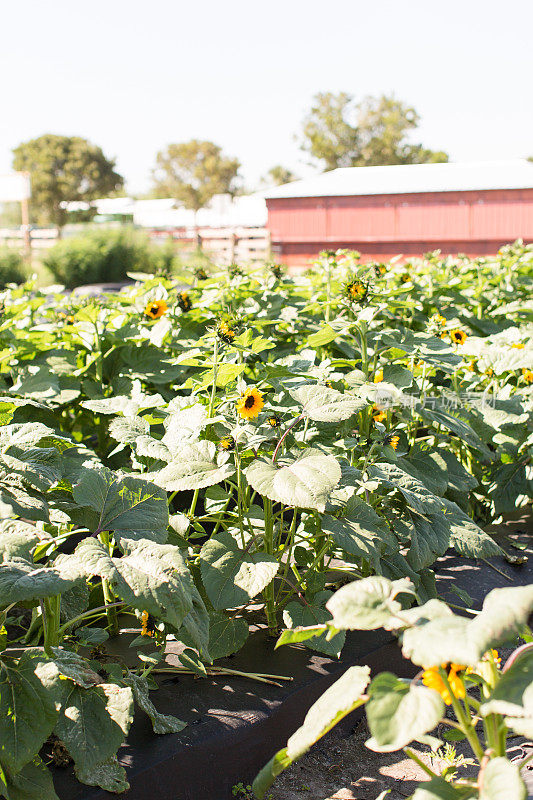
(184, 460)
(459, 670)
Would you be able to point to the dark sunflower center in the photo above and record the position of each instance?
(154, 309)
(250, 401)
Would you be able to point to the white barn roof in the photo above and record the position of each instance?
(411, 178)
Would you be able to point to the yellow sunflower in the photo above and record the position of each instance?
(378, 377)
(147, 624)
(392, 441)
(226, 443)
(250, 404)
(433, 680)
(156, 309)
(527, 374)
(518, 346)
(458, 336)
(378, 415)
(274, 421)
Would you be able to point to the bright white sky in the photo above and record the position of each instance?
(134, 75)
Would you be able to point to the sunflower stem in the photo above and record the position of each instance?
(466, 724)
(215, 375)
(283, 436)
(109, 597)
(270, 600)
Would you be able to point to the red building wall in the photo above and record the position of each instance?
(382, 226)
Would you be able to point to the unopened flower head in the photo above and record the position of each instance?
(184, 301)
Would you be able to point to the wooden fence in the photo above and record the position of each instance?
(237, 245)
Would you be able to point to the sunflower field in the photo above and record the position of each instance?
(194, 461)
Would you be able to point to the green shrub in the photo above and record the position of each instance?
(12, 268)
(105, 256)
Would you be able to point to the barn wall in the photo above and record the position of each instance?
(380, 226)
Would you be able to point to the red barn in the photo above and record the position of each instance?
(470, 208)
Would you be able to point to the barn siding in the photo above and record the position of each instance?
(475, 223)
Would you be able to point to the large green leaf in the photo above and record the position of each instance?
(453, 423)
(108, 774)
(94, 722)
(17, 539)
(195, 466)
(502, 618)
(429, 540)
(340, 699)
(73, 666)
(304, 481)
(429, 467)
(509, 487)
(296, 615)
(150, 577)
(33, 782)
(128, 429)
(322, 404)
(459, 479)
(128, 506)
(161, 723)
(513, 695)
(367, 604)
(443, 637)
(231, 576)
(501, 779)
(16, 501)
(20, 580)
(465, 536)
(439, 789)
(37, 467)
(439, 641)
(360, 531)
(416, 494)
(226, 634)
(399, 712)
(30, 698)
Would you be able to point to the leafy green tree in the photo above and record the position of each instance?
(278, 175)
(193, 172)
(342, 133)
(383, 124)
(329, 134)
(64, 169)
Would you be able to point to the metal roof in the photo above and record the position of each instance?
(411, 178)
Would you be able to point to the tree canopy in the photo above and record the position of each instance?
(64, 169)
(278, 175)
(340, 132)
(193, 172)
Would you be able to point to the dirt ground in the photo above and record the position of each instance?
(342, 768)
